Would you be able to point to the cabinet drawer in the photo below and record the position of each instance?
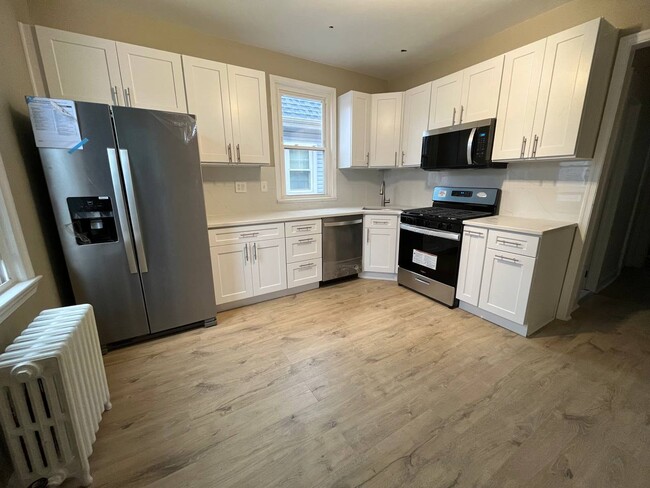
(523, 244)
(380, 221)
(304, 272)
(302, 227)
(248, 233)
(300, 248)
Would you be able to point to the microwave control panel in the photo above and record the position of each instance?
(481, 145)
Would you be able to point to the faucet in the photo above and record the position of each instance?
(382, 192)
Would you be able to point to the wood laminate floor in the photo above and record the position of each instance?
(369, 384)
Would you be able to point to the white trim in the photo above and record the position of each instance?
(15, 252)
(280, 85)
(32, 57)
(597, 186)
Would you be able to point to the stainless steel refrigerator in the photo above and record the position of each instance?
(131, 216)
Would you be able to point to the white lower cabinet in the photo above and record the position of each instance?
(304, 252)
(304, 273)
(231, 269)
(514, 278)
(506, 282)
(380, 244)
(269, 266)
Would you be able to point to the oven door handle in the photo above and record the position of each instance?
(451, 236)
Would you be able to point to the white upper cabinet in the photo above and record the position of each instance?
(385, 129)
(79, 67)
(151, 78)
(445, 100)
(519, 89)
(206, 84)
(414, 122)
(354, 130)
(481, 85)
(249, 112)
(562, 91)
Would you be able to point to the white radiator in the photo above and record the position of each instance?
(53, 392)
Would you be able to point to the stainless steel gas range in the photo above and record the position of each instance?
(430, 239)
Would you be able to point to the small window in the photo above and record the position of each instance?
(303, 115)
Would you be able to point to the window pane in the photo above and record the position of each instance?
(302, 121)
(300, 181)
(298, 159)
(305, 171)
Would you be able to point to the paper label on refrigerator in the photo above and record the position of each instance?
(54, 122)
(425, 259)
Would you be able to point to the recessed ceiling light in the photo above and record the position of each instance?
(331, 26)
(403, 50)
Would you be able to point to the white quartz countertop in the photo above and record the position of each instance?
(289, 215)
(519, 224)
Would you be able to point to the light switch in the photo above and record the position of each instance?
(240, 187)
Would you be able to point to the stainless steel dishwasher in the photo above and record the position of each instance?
(342, 246)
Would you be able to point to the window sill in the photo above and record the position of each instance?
(15, 296)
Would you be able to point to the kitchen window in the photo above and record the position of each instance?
(304, 117)
(17, 280)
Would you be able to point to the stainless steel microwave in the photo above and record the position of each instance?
(460, 146)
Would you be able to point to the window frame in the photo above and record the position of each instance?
(287, 86)
(22, 281)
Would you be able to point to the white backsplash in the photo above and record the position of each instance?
(355, 188)
(538, 189)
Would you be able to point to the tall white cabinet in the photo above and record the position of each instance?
(415, 120)
(354, 130)
(231, 110)
(385, 129)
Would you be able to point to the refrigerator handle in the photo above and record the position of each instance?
(121, 210)
(133, 210)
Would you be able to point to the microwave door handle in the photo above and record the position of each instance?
(470, 143)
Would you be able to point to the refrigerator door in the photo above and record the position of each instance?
(162, 175)
(92, 221)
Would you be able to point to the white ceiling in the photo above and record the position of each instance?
(367, 36)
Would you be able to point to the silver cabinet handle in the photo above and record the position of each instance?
(395, 158)
(254, 251)
(238, 155)
(229, 153)
(133, 210)
(306, 241)
(246, 252)
(534, 151)
(382, 222)
(508, 243)
(114, 95)
(307, 265)
(506, 258)
(127, 97)
(460, 119)
(523, 147)
(368, 235)
(250, 234)
(121, 210)
(474, 233)
(309, 227)
(453, 117)
(367, 159)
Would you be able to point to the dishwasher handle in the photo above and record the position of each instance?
(344, 222)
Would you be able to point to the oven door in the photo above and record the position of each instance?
(431, 253)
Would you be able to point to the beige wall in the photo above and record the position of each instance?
(628, 15)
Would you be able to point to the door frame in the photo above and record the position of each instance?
(595, 195)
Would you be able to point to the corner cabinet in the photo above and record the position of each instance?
(514, 278)
(553, 94)
(380, 246)
(354, 130)
(415, 119)
(231, 111)
(385, 129)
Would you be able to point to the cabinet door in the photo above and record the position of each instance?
(379, 248)
(522, 72)
(231, 268)
(472, 254)
(506, 284)
(269, 266)
(249, 112)
(79, 67)
(445, 101)
(385, 129)
(414, 123)
(563, 87)
(357, 130)
(206, 84)
(481, 86)
(151, 78)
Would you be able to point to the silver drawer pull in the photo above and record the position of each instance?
(508, 243)
(305, 228)
(306, 241)
(380, 222)
(506, 258)
(252, 234)
(474, 233)
(307, 265)
(422, 281)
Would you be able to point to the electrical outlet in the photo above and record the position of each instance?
(240, 187)
(264, 185)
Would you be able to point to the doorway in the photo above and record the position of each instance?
(621, 249)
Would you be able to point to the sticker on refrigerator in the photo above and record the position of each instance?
(54, 123)
(425, 259)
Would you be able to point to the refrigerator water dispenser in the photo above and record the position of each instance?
(93, 221)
